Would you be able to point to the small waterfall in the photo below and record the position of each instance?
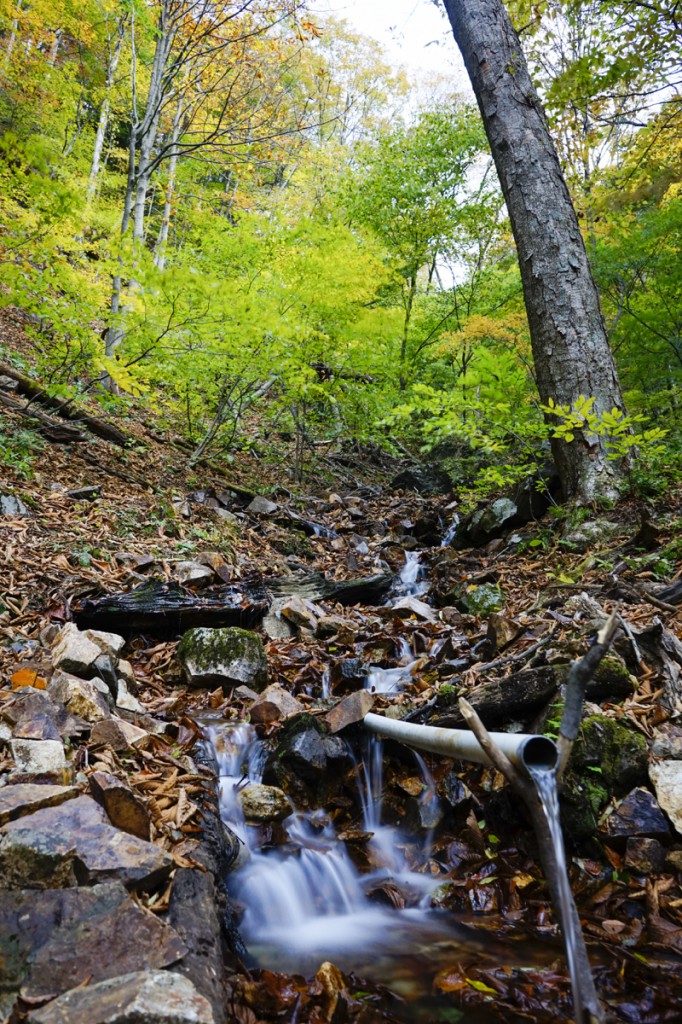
(449, 535)
(306, 895)
(411, 580)
(545, 783)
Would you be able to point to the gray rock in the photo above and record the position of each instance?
(264, 803)
(70, 937)
(423, 479)
(79, 836)
(309, 752)
(645, 856)
(229, 656)
(486, 524)
(277, 628)
(666, 777)
(82, 697)
(125, 699)
(117, 734)
(152, 997)
(408, 606)
(75, 652)
(28, 704)
(193, 573)
(25, 798)
(588, 534)
(39, 757)
(12, 506)
(638, 814)
(301, 613)
(260, 506)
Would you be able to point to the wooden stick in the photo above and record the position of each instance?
(578, 677)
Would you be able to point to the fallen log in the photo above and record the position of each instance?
(50, 428)
(166, 610)
(101, 428)
(369, 590)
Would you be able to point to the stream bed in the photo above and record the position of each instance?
(305, 902)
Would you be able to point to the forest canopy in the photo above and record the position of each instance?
(244, 217)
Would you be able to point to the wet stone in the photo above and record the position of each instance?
(28, 705)
(102, 852)
(264, 803)
(645, 856)
(38, 728)
(71, 937)
(309, 752)
(25, 798)
(351, 709)
(638, 814)
(408, 606)
(274, 704)
(159, 997)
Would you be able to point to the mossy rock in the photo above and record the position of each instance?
(230, 657)
(612, 751)
(482, 600)
(611, 680)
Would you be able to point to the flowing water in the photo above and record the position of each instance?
(449, 535)
(545, 783)
(306, 902)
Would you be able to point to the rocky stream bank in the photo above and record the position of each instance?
(142, 632)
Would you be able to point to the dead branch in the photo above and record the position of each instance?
(101, 428)
(578, 677)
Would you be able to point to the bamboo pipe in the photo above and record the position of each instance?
(523, 750)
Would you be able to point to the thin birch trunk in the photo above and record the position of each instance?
(161, 241)
(105, 109)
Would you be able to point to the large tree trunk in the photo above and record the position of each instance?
(570, 347)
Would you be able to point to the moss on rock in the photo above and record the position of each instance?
(231, 656)
(612, 751)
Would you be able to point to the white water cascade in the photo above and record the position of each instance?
(305, 901)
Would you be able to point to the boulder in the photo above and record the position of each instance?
(264, 803)
(666, 777)
(71, 937)
(82, 697)
(615, 753)
(228, 656)
(274, 704)
(125, 808)
(76, 839)
(589, 534)
(40, 757)
(155, 997)
(486, 524)
(25, 798)
(310, 751)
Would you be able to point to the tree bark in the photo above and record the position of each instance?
(570, 346)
